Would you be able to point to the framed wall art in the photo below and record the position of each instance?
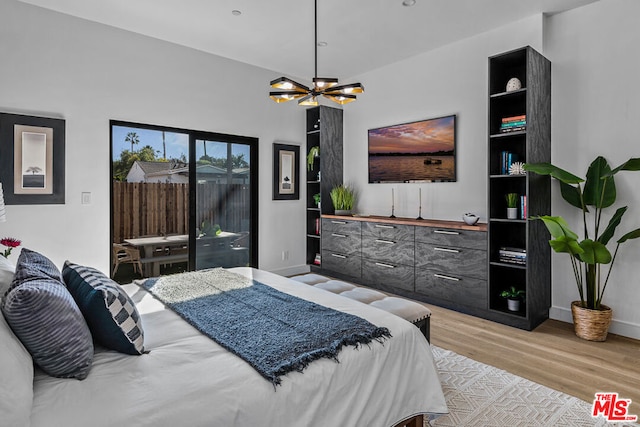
(286, 165)
(32, 159)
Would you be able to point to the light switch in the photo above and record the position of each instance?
(86, 198)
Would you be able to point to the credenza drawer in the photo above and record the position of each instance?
(458, 289)
(388, 274)
(463, 261)
(452, 237)
(388, 231)
(350, 265)
(393, 251)
(342, 226)
(340, 242)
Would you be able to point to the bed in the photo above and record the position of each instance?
(187, 379)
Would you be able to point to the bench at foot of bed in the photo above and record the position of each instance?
(411, 311)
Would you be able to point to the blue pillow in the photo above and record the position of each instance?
(44, 316)
(111, 315)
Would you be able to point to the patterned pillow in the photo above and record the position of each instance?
(33, 265)
(111, 315)
(45, 318)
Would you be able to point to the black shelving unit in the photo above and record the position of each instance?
(324, 129)
(532, 144)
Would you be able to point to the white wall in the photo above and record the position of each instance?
(58, 66)
(595, 109)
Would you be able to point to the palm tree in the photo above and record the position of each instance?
(133, 138)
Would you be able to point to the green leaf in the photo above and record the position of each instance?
(594, 252)
(607, 234)
(630, 235)
(632, 164)
(572, 195)
(558, 227)
(599, 191)
(557, 173)
(563, 244)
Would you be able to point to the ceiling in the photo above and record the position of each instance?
(361, 35)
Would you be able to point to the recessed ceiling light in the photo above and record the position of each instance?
(408, 2)
(238, 13)
(322, 44)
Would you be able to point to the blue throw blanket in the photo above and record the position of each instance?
(274, 332)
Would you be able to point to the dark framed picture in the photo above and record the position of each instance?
(286, 164)
(32, 159)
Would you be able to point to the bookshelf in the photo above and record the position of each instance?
(324, 130)
(519, 131)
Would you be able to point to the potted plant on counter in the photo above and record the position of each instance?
(343, 198)
(514, 297)
(592, 196)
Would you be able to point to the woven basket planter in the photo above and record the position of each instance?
(591, 325)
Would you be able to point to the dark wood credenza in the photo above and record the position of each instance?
(439, 262)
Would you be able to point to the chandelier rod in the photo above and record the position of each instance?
(315, 26)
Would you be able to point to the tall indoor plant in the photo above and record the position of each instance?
(589, 254)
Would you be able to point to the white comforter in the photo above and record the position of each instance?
(189, 380)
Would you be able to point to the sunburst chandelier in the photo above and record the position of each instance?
(327, 87)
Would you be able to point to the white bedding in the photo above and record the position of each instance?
(189, 380)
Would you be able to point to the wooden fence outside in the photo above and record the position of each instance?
(157, 209)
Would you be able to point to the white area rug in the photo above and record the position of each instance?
(482, 395)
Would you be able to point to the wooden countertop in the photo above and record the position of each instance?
(460, 225)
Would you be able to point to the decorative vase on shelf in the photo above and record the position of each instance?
(470, 219)
(343, 211)
(512, 213)
(513, 304)
(513, 84)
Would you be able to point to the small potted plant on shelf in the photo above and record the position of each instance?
(591, 318)
(343, 198)
(316, 199)
(311, 156)
(513, 296)
(512, 205)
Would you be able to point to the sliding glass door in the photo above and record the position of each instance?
(225, 176)
(181, 200)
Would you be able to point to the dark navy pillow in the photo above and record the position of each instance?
(111, 315)
(46, 319)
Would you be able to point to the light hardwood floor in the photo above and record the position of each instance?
(550, 355)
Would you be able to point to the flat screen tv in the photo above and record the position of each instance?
(422, 151)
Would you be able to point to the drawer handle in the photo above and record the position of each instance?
(388, 242)
(339, 256)
(446, 250)
(338, 235)
(442, 276)
(384, 226)
(446, 232)
(339, 222)
(382, 264)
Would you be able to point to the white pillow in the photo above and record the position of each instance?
(7, 271)
(16, 371)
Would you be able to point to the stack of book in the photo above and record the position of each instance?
(317, 260)
(506, 160)
(512, 255)
(513, 123)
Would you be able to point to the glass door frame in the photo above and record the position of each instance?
(253, 185)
